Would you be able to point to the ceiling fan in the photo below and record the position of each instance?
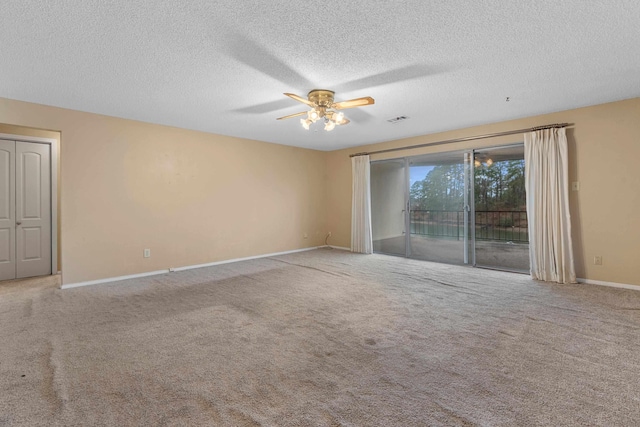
(323, 107)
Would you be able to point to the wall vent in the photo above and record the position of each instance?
(397, 119)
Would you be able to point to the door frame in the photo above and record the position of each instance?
(53, 150)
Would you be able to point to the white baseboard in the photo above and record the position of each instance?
(113, 279)
(342, 248)
(609, 284)
(172, 269)
(229, 261)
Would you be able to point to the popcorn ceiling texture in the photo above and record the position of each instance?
(325, 338)
(222, 66)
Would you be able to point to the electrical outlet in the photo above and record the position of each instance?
(305, 235)
(597, 260)
(147, 253)
(575, 186)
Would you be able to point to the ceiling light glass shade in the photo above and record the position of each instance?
(329, 125)
(331, 118)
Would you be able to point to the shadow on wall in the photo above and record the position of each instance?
(576, 223)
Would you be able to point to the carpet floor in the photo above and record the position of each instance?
(324, 338)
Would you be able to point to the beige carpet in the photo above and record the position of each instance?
(321, 338)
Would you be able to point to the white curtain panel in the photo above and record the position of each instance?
(361, 236)
(547, 189)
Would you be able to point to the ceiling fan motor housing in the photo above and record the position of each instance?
(321, 97)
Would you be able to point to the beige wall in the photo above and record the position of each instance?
(190, 197)
(194, 197)
(604, 150)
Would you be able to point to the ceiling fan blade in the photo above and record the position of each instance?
(300, 99)
(352, 103)
(292, 115)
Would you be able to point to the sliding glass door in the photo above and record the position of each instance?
(456, 207)
(500, 209)
(388, 206)
(437, 198)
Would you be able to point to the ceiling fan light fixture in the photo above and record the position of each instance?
(323, 106)
(329, 125)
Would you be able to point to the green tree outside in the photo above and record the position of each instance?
(498, 187)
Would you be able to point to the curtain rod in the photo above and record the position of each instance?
(467, 138)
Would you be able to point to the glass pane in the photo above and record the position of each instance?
(501, 236)
(388, 183)
(436, 207)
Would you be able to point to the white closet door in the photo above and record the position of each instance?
(33, 209)
(7, 210)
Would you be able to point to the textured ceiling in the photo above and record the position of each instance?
(222, 66)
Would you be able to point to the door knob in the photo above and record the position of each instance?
(18, 223)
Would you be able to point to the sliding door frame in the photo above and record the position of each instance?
(469, 210)
(407, 208)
